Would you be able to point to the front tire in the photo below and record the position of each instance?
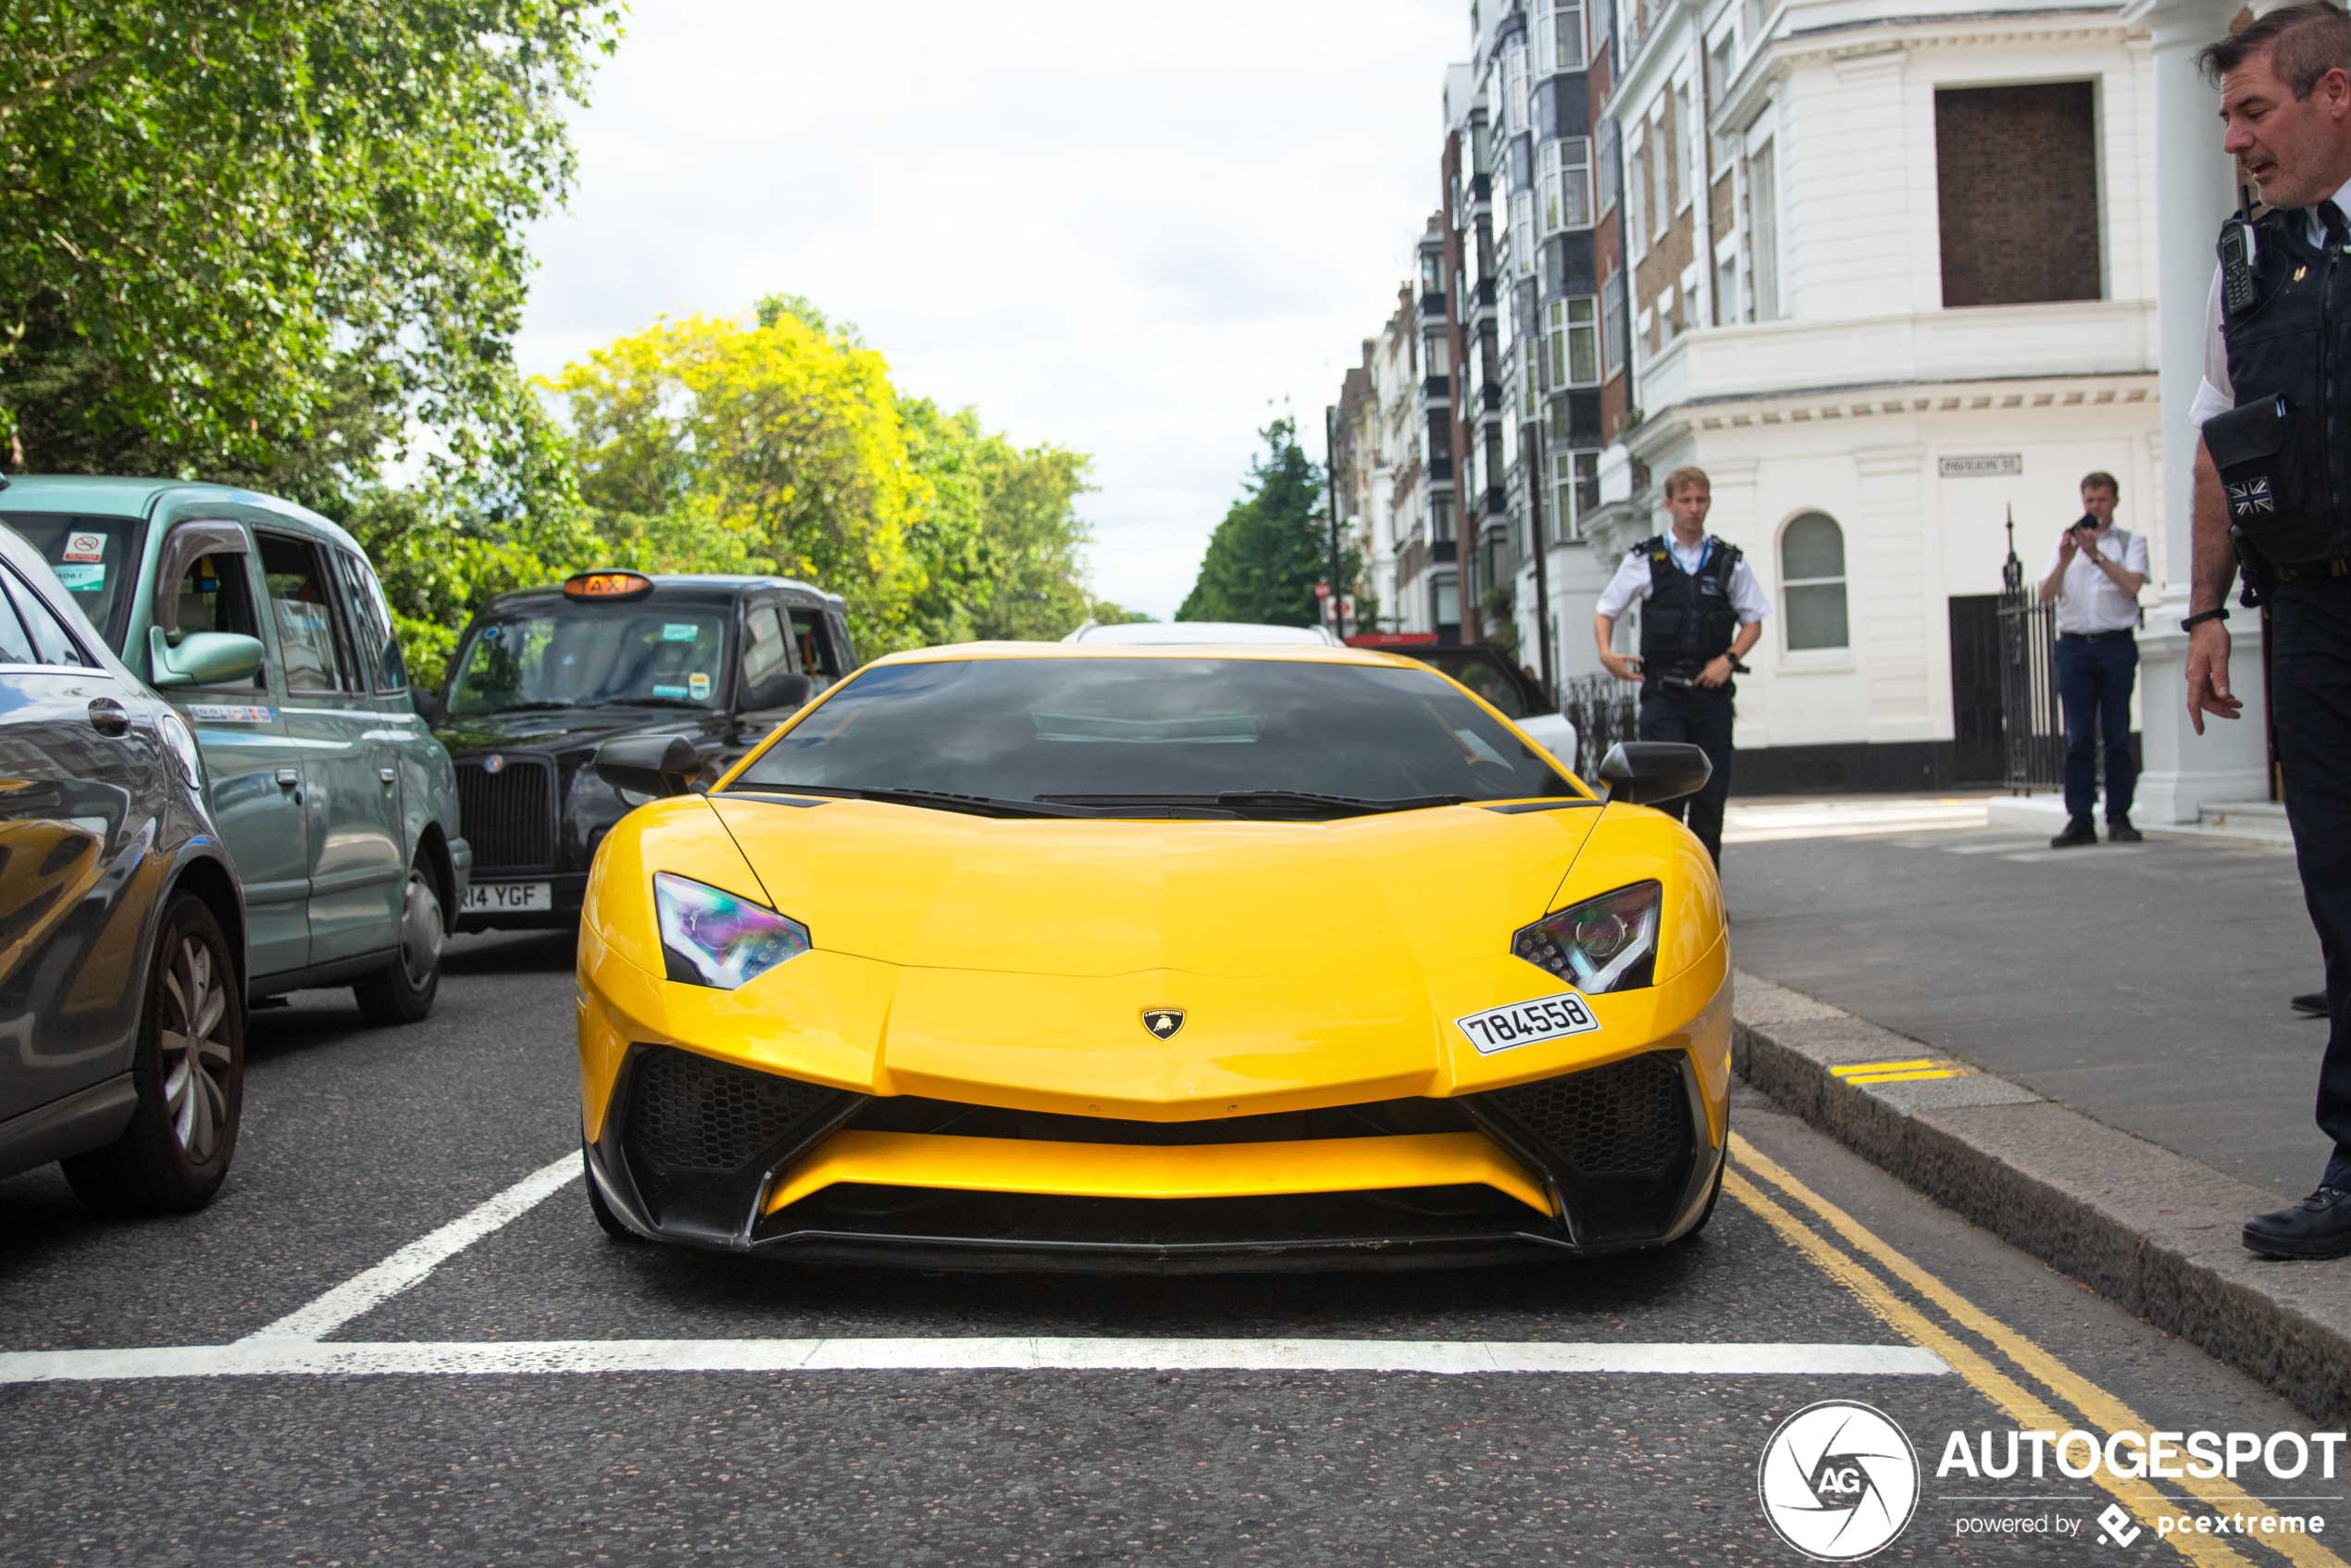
(402, 991)
(188, 1072)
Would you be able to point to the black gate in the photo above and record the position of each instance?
(1979, 738)
(2033, 728)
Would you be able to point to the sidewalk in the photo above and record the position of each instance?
(2114, 1081)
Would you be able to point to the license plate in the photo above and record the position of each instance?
(503, 898)
(1525, 1023)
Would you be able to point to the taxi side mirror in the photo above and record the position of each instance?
(651, 765)
(1642, 773)
(201, 658)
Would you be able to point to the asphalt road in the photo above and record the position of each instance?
(359, 1141)
(2144, 985)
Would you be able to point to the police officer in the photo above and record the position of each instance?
(1703, 610)
(2271, 468)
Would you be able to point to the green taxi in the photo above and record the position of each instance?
(263, 623)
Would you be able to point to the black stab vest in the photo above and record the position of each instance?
(1688, 618)
(2284, 450)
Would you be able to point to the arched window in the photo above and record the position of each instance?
(1812, 575)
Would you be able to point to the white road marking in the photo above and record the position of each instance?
(288, 1357)
(364, 1292)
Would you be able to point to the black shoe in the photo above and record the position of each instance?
(2311, 1006)
(2121, 832)
(2319, 1226)
(2078, 831)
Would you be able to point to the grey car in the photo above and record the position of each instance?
(122, 936)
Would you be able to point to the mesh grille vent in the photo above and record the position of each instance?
(1629, 1119)
(688, 1112)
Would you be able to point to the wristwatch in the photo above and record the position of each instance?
(2201, 617)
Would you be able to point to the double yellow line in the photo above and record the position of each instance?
(2027, 1408)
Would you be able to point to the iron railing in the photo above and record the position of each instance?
(1604, 711)
(2029, 719)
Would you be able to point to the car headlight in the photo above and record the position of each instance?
(1603, 944)
(710, 937)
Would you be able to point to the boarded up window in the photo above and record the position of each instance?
(2017, 174)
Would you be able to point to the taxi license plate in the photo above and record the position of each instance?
(1525, 1023)
(503, 898)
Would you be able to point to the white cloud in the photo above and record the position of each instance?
(1121, 228)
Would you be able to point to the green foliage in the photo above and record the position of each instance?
(1272, 547)
(1498, 615)
(248, 238)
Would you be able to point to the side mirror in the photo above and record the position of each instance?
(427, 706)
(202, 658)
(1642, 773)
(651, 765)
(781, 690)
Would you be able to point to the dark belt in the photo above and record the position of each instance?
(2311, 572)
(2125, 634)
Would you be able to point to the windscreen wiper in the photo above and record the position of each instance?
(937, 800)
(1269, 800)
(539, 705)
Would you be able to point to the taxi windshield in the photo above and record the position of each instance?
(1110, 731)
(93, 557)
(563, 653)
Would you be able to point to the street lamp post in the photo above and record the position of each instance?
(1531, 446)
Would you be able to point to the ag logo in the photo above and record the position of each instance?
(1163, 1021)
(1839, 1481)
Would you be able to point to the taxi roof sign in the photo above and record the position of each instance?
(606, 585)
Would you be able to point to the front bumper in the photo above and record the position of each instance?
(712, 1155)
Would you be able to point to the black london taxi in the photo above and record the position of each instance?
(543, 678)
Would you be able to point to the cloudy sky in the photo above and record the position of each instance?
(1137, 231)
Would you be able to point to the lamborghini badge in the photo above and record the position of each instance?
(1163, 1021)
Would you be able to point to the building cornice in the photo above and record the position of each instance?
(1883, 399)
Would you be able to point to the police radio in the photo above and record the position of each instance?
(2238, 252)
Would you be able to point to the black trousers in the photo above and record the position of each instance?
(1700, 715)
(2310, 698)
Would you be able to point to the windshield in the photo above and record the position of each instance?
(93, 558)
(561, 653)
(1101, 730)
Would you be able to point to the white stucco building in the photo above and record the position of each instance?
(1890, 277)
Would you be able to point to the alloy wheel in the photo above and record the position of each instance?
(196, 1056)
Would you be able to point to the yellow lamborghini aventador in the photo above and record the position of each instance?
(1016, 955)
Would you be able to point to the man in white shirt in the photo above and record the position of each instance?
(2095, 570)
(1704, 610)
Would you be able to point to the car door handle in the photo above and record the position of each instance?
(389, 776)
(288, 777)
(109, 716)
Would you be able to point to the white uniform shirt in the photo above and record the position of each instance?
(2214, 395)
(1631, 580)
(2087, 599)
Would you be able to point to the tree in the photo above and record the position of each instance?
(776, 446)
(781, 445)
(245, 239)
(1266, 558)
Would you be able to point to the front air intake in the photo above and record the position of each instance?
(1620, 1143)
(701, 1136)
(692, 1114)
(1629, 1119)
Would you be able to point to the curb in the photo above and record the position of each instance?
(2149, 1229)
